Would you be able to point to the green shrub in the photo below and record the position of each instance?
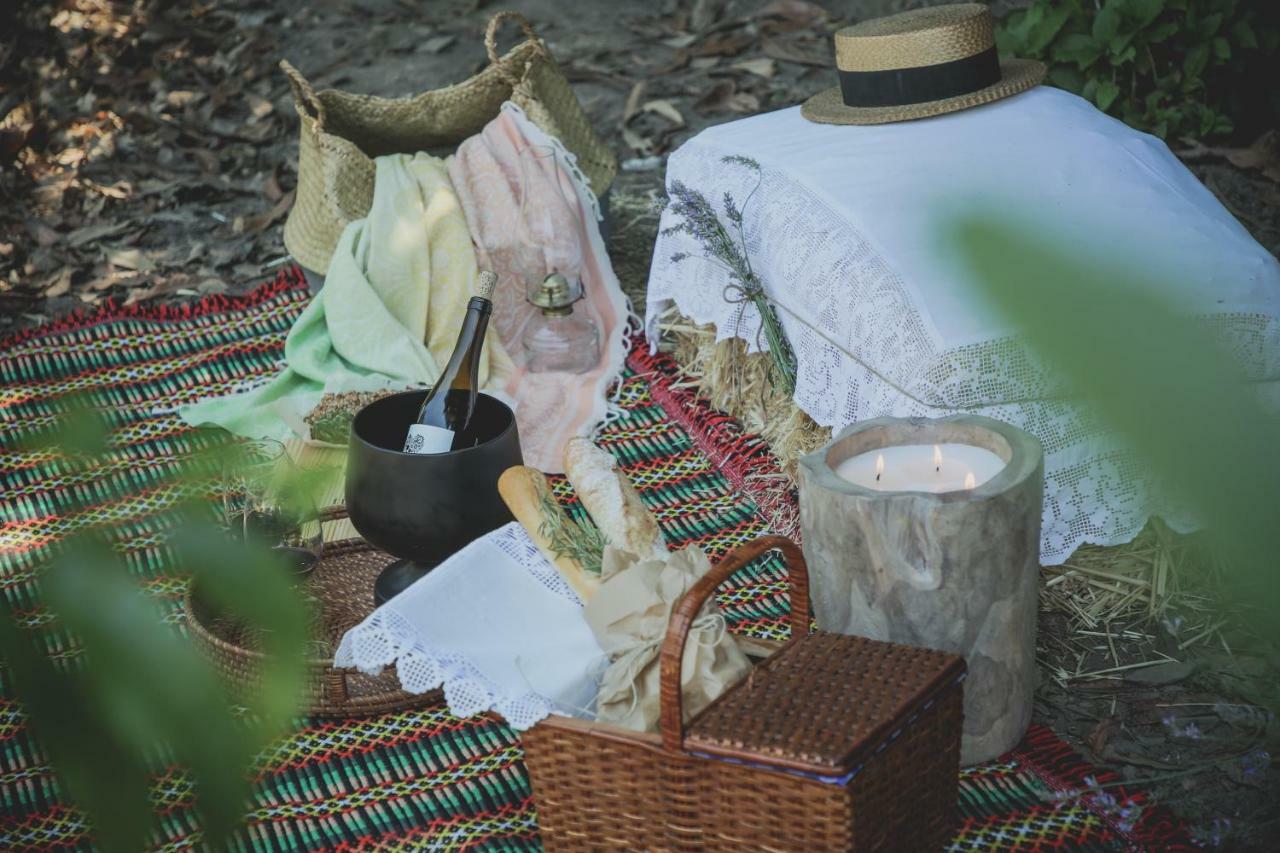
(1171, 67)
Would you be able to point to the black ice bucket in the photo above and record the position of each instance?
(424, 507)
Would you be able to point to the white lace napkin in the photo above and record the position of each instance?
(496, 625)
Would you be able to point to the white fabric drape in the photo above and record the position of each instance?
(844, 233)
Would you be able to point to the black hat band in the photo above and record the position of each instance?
(903, 86)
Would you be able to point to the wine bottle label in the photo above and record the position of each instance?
(428, 439)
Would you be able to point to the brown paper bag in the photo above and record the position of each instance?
(629, 614)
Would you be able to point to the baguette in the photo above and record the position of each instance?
(613, 502)
(527, 495)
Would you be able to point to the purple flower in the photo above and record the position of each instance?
(731, 209)
(1254, 765)
(1190, 731)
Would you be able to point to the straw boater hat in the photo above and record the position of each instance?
(917, 64)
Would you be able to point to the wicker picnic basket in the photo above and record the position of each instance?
(342, 585)
(832, 743)
(341, 133)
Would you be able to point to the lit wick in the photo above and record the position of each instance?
(879, 466)
(937, 458)
(970, 482)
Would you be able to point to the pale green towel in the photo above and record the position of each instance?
(399, 277)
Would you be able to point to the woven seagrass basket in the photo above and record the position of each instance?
(342, 133)
(832, 743)
(342, 584)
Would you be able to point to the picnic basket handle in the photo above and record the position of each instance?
(491, 43)
(671, 710)
(303, 94)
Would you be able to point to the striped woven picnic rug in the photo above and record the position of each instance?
(421, 778)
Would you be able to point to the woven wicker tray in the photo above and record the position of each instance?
(343, 583)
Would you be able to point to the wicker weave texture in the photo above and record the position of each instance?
(789, 718)
(609, 789)
(603, 787)
(342, 584)
(928, 36)
(341, 133)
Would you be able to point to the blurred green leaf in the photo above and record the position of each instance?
(1157, 377)
(104, 776)
(1243, 33)
(1106, 24)
(1145, 11)
(139, 697)
(1106, 94)
(1196, 60)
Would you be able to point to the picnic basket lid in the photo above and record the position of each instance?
(824, 704)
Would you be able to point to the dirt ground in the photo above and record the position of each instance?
(148, 155)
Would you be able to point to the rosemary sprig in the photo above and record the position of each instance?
(580, 541)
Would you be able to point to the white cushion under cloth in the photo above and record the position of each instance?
(844, 234)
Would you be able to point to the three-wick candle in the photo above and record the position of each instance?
(921, 468)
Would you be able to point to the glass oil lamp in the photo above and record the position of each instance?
(556, 339)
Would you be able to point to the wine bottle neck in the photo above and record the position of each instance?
(470, 341)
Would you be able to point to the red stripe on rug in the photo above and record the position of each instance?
(743, 458)
(1063, 770)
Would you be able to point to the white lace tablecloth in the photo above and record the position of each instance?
(843, 233)
(495, 625)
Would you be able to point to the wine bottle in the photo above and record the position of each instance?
(446, 413)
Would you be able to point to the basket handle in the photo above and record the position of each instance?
(303, 95)
(671, 713)
(491, 43)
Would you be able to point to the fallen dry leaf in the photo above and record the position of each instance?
(724, 44)
(259, 107)
(180, 98)
(91, 233)
(761, 67)
(42, 233)
(798, 11)
(724, 97)
(61, 284)
(1263, 154)
(439, 44)
(666, 109)
(1100, 735)
(271, 188)
(680, 40)
(16, 128)
(632, 107)
(1168, 672)
(128, 259)
(259, 223)
(788, 52)
(636, 142)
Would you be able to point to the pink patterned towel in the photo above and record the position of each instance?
(550, 408)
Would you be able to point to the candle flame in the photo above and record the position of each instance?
(970, 481)
(879, 466)
(937, 457)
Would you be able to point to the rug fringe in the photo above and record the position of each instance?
(742, 456)
(286, 280)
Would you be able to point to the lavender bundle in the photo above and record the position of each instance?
(700, 221)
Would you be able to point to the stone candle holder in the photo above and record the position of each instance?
(956, 570)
